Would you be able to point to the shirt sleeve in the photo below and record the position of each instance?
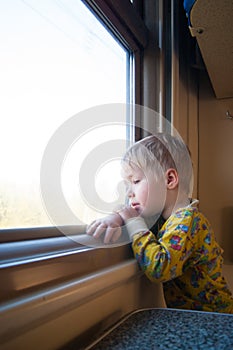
(164, 258)
(136, 225)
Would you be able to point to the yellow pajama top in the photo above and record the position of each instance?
(185, 256)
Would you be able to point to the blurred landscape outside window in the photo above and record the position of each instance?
(56, 60)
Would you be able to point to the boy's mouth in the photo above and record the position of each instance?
(135, 206)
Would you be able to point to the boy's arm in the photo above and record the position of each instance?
(162, 259)
(111, 225)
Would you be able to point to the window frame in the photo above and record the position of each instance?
(51, 256)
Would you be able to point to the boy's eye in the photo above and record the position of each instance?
(136, 182)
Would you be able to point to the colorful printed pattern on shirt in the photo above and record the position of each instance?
(187, 259)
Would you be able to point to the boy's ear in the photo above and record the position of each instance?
(172, 179)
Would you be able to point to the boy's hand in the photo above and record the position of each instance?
(110, 225)
(127, 213)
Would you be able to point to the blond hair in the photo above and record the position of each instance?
(160, 152)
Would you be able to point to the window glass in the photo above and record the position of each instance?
(56, 60)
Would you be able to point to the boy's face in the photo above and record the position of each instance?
(146, 194)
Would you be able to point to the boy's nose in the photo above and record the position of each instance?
(129, 193)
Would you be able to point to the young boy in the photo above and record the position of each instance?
(183, 254)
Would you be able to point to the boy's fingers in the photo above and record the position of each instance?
(108, 235)
(101, 228)
(112, 234)
(92, 227)
(89, 230)
(97, 228)
(116, 235)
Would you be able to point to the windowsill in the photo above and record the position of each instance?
(33, 320)
(37, 258)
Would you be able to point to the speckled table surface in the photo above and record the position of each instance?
(170, 329)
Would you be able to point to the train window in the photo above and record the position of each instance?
(57, 59)
(60, 59)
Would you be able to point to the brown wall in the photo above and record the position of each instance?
(201, 120)
(215, 180)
